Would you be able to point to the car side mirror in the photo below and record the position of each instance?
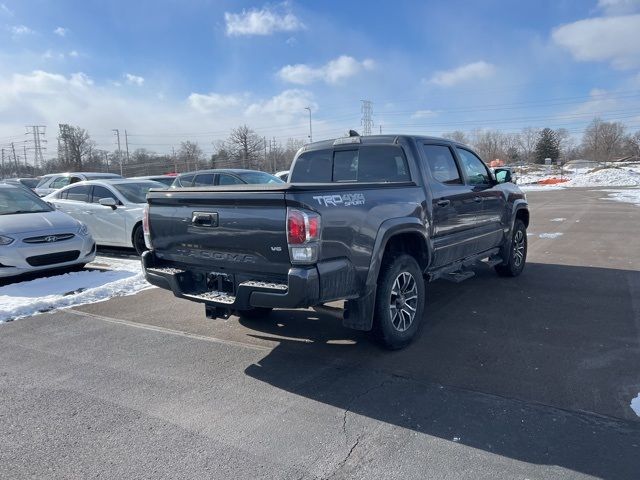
(503, 175)
(108, 202)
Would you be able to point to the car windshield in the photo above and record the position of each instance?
(29, 182)
(43, 181)
(259, 177)
(16, 200)
(165, 180)
(136, 192)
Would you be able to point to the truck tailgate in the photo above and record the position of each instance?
(222, 229)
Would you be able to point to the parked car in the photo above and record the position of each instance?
(28, 182)
(111, 209)
(34, 236)
(166, 180)
(53, 181)
(368, 220)
(228, 176)
(284, 175)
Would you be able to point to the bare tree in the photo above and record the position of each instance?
(488, 143)
(74, 147)
(527, 141)
(602, 141)
(457, 136)
(246, 147)
(190, 155)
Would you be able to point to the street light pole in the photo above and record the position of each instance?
(310, 130)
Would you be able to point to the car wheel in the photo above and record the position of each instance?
(138, 240)
(400, 300)
(254, 313)
(517, 255)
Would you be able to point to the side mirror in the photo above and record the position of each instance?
(108, 202)
(503, 175)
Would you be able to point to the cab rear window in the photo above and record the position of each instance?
(375, 163)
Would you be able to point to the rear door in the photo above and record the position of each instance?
(479, 178)
(108, 223)
(455, 206)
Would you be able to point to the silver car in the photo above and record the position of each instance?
(54, 181)
(34, 236)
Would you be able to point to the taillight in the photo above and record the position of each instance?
(303, 233)
(145, 227)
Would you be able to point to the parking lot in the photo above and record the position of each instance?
(511, 378)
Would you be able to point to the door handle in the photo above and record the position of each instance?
(477, 199)
(443, 203)
(204, 219)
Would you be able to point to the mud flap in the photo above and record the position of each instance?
(358, 313)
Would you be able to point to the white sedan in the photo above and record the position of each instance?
(111, 209)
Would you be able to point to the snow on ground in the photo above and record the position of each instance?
(535, 188)
(635, 405)
(627, 196)
(123, 277)
(559, 219)
(550, 235)
(609, 177)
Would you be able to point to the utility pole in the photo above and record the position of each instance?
(175, 164)
(117, 132)
(367, 116)
(106, 160)
(2, 174)
(310, 130)
(126, 144)
(380, 129)
(24, 149)
(15, 159)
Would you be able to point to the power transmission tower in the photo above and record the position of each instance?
(38, 132)
(367, 116)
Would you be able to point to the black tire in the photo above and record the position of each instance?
(254, 313)
(138, 240)
(517, 255)
(401, 289)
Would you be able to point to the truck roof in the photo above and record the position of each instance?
(376, 139)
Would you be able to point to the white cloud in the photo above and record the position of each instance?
(424, 114)
(17, 30)
(61, 31)
(134, 79)
(290, 103)
(213, 102)
(619, 7)
(332, 72)
(261, 22)
(73, 53)
(5, 10)
(610, 39)
(464, 73)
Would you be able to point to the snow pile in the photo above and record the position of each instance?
(627, 196)
(610, 177)
(559, 219)
(534, 188)
(23, 299)
(635, 405)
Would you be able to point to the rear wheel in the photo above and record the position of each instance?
(517, 255)
(254, 313)
(138, 240)
(400, 300)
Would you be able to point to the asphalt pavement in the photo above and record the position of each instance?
(510, 378)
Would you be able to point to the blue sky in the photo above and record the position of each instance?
(193, 69)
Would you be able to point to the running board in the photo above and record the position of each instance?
(458, 271)
(459, 276)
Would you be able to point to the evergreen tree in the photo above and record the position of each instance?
(547, 146)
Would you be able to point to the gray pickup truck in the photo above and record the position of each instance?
(368, 220)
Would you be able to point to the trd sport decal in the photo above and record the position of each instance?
(346, 200)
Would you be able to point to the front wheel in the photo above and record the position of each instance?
(138, 240)
(400, 300)
(517, 255)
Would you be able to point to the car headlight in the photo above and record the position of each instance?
(5, 240)
(83, 231)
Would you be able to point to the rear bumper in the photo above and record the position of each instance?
(302, 287)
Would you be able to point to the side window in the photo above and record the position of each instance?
(442, 164)
(345, 166)
(102, 192)
(312, 167)
(474, 168)
(62, 194)
(203, 180)
(224, 179)
(81, 193)
(60, 182)
(382, 163)
(75, 180)
(185, 180)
